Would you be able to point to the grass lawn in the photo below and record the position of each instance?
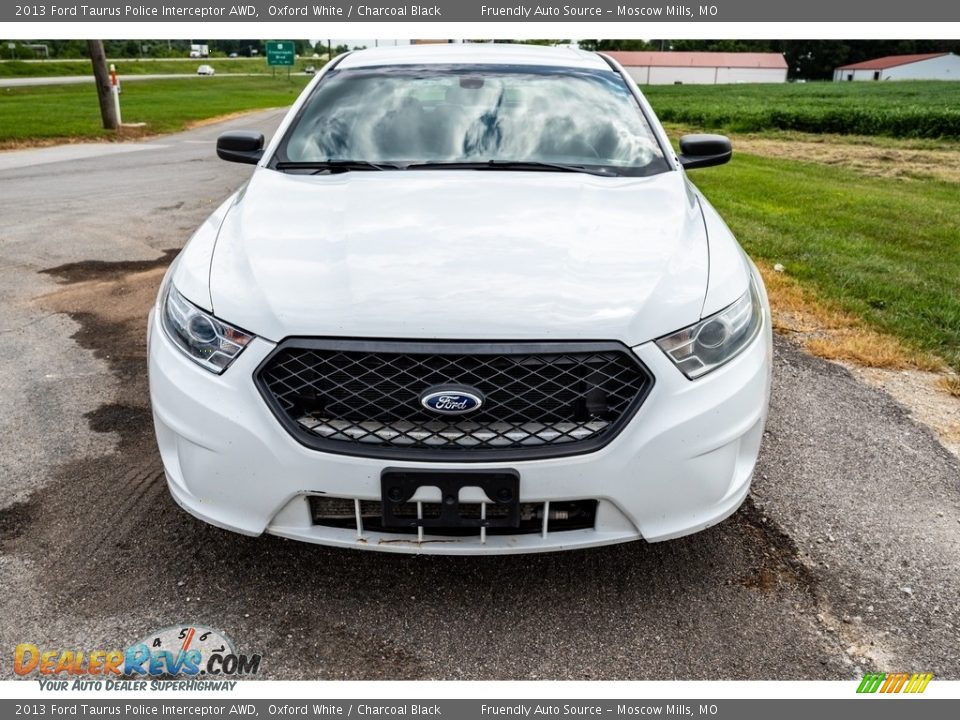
(54, 111)
(62, 68)
(915, 109)
(885, 250)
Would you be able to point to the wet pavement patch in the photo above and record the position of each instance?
(87, 270)
(110, 303)
(119, 418)
(14, 521)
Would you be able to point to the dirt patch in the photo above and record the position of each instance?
(110, 302)
(229, 116)
(923, 394)
(124, 134)
(867, 159)
(782, 565)
(951, 385)
(781, 562)
(875, 156)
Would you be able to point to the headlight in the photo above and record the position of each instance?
(206, 340)
(710, 343)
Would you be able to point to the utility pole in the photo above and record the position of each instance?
(108, 109)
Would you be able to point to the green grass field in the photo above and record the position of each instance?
(223, 66)
(887, 251)
(907, 109)
(55, 111)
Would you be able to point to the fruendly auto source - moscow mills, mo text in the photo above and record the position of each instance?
(356, 10)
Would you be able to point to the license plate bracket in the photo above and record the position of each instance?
(501, 487)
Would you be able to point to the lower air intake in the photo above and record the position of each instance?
(562, 516)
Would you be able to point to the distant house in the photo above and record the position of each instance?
(928, 66)
(702, 68)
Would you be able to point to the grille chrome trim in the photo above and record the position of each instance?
(478, 437)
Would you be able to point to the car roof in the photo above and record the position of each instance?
(473, 53)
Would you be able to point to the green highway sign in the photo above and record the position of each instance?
(280, 53)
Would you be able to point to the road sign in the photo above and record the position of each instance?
(280, 53)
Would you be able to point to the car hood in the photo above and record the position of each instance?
(478, 255)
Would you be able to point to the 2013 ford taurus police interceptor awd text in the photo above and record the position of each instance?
(468, 302)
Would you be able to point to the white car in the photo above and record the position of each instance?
(468, 302)
(206, 70)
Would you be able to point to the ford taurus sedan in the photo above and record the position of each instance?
(468, 302)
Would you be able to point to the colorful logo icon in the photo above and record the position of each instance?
(894, 683)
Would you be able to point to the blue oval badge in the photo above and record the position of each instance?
(451, 401)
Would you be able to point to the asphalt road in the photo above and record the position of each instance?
(844, 560)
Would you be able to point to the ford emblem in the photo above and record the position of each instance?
(451, 400)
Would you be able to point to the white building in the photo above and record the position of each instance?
(702, 68)
(929, 66)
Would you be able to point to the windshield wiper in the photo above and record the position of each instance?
(337, 165)
(512, 165)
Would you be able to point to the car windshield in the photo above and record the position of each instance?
(428, 115)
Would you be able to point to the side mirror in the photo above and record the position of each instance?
(697, 151)
(242, 146)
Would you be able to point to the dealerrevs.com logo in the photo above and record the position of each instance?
(183, 657)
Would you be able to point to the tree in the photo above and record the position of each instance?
(543, 43)
(240, 47)
(603, 45)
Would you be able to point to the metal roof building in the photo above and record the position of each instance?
(926, 66)
(702, 68)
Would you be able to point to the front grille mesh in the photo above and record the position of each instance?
(371, 399)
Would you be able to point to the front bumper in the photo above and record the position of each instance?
(683, 463)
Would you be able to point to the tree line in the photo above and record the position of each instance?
(806, 59)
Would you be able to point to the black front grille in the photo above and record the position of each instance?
(539, 399)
